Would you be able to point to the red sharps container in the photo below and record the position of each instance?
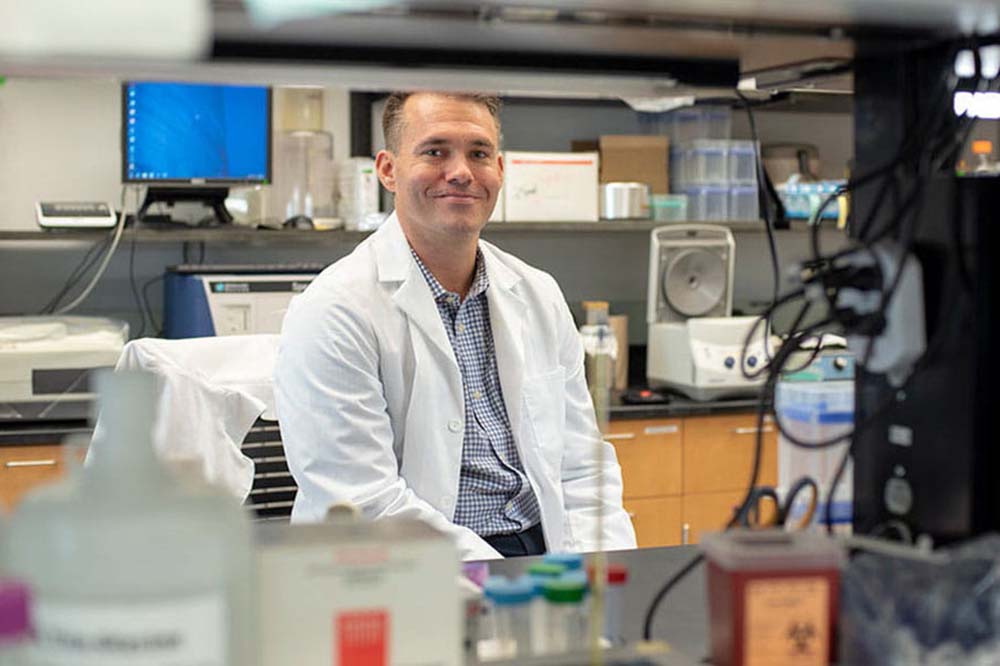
(772, 597)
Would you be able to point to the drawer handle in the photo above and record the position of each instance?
(661, 430)
(619, 435)
(30, 463)
(751, 431)
(685, 534)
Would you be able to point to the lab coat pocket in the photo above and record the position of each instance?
(545, 399)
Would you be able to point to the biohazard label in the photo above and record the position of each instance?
(786, 622)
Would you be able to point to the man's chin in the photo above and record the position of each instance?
(464, 224)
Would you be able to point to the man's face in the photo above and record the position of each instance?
(446, 170)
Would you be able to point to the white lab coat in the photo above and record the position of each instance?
(210, 393)
(369, 398)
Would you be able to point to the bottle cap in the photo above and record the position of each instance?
(982, 147)
(568, 589)
(546, 569)
(14, 617)
(503, 592)
(596, 312)
(571, 561)
(617, 574)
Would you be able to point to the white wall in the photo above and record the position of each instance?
(61, 140)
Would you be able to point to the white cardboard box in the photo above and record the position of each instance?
(497, 215)
(366, 593)
(550, 187)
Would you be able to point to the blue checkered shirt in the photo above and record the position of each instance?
(494, 496)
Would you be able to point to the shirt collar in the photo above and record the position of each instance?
(480, 280)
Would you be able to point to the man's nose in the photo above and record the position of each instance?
(459, 172)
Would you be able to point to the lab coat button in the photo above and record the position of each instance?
(447, 501)
(454, 425)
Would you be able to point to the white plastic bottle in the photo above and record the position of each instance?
(126, 565)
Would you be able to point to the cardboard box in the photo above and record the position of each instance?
(632, 158)
(497, 215)
(367, 593)
(550, 187)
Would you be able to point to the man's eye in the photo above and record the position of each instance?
(433, 152)
(480, 154)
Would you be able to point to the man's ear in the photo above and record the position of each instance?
(500, 163)
(385, 167)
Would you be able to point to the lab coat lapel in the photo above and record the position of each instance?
(507, 323)
(395, 264)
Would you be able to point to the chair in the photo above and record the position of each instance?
(216, 414)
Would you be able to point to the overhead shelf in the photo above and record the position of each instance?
(243, 235)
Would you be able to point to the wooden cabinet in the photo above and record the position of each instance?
(23, 468)
(718, 453)
(649, 452)
(707, 512)
(657, 521)
(683, 477)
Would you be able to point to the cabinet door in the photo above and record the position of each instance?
(23, 468)
(707, 512)
(657, 521)
(649, 452)
(718, 453)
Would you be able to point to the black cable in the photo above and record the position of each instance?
(917, 143)
(148, 309)
(137, 299)
(79, 272)
(766, 210)
(647, 625)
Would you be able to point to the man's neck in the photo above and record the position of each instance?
(452, 261)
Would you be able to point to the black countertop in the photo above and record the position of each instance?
(15, 433)
(51, 432)
(678, 407)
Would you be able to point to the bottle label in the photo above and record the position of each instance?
(191, 631)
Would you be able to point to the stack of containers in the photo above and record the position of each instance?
(718, 175)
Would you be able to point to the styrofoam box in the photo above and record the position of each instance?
(550, 187)
(816, 412)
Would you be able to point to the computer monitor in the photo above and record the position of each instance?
(190, 141)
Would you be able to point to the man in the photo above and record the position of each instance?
(432, 376)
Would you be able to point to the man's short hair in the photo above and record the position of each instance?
(392, 116)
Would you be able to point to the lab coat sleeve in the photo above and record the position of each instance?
(591, 476)
(335, 427)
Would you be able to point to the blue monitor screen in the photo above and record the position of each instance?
(195, 132)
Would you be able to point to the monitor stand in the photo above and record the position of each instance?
(213, 197)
